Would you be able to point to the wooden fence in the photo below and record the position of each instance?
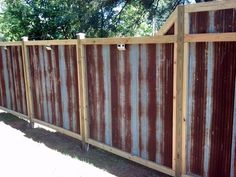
(167, 102)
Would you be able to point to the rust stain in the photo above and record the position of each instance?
(11, 79)
(225, 20)
(198, 123)
(75, 87)
(116, 137)
(171, 31)
(97, 95)
(12, 88)
(144, 76)
(151, 112)
(139, 101)
(69, 83)
(32, 81)
(55, 85)
(14, 71)
(2, 86)
(168, 102)
(143, 101)
(101, 94)
(199, 22)
(59, 121)
(90, 58)
(52, 86)
(223, 104)
(127, 80)
(18, 81)
(223, 87)
(40, 85)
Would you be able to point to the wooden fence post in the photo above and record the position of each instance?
(179, 89)
(185, 91)
(83, 95)
(27, 80)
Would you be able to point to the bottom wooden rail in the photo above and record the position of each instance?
(25, 117)
(59, 129)
(131, 157)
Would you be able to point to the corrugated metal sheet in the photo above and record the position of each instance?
(12, 86)
(131, 98)
(171, 31)
(54, 85)
(211, 97)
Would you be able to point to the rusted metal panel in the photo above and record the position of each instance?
(222, 21)
(233, 149)
(171, 31)
(12, 85)
(223, 107)
(131, 98)
(199, 107)
(54, 85)
(211, 94)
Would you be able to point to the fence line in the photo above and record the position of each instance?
(92, 80)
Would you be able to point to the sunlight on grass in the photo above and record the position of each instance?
(21, 156)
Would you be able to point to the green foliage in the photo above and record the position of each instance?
(62, 19)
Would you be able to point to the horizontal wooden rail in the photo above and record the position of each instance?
(59, 129)
(130, 40)
(210, 6)
(17, 43)
(210, 37)
(15, 113)
(52, 42)
(136, 159)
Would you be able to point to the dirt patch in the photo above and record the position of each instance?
(108, 162)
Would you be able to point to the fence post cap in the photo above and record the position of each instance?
(80, 35)
(25, 38)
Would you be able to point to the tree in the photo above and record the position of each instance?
(56, 19)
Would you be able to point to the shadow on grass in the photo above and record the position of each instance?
(111, 163)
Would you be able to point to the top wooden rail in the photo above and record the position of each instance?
(11, 43)
(210, 6)
(130, 40)
(52, 42)
(91, 41)
(206, 37)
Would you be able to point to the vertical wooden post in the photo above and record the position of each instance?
(27, 80)
(83, 95)
(179, 89)
(185, 91)
(174, 101)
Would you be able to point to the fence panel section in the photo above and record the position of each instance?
(131, 98)
(54, 85)
(211, 96)
(12, 85)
